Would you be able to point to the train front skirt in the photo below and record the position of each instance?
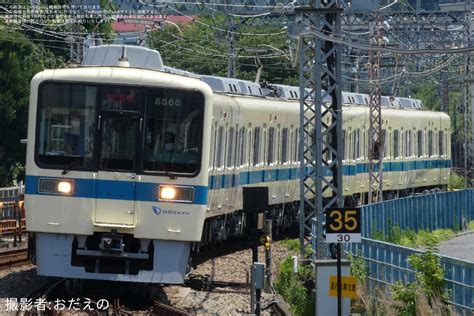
(167, 262)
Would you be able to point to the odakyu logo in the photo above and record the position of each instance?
(156, 210)
(159, 211)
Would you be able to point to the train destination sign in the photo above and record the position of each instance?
(343, 225)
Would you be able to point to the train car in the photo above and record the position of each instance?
(130, 162)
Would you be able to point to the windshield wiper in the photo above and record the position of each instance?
(167, 172)
(74, 161)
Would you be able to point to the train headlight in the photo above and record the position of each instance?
(65, 187)
(175, 193)
(56, 186)
(167, 193)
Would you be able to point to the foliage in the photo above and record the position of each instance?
(294, 245)
(291, 244)
(470, 226)
(20, 60)
(410, 238)
(456, 182)
(429, 284)
(358, 267)
(406, 295)
(368, 302)
(201, 46)
(424, 91)
(292, 287)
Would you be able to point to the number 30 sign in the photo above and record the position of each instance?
(343, 225)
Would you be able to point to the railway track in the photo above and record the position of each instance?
(13, 257)
(63, 296)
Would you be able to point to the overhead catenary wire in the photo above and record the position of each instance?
(400, 51)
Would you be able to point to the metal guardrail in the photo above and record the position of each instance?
(388, 263)
(428, 212)
(11, 193)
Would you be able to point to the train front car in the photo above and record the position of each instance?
(116, 176)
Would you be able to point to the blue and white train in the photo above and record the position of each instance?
(108, 199)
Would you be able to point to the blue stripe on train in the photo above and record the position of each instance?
(124, 190)
(270, 175)
(114, 190)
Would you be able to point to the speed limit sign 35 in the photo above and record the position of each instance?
(343, 225)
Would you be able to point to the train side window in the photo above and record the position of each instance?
(296, 145)
(243, 146)
(350, 146)
(364, 139)
(284, 145)
(230, 148)
(220, 147)
(420, 143)
(256, 146)
(328, 154)
(396, 143)
(356, 144)
(236, 147)
(291, 148)
(384, 142)
(407, 144)
(442, 144)
(430, 143)
(213, 145)
(264, 156)
(344, 148)
(410, 143)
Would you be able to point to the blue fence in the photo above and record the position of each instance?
(429, 212)
(388, 263)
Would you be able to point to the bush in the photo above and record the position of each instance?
(456, 182)
(427, 292)
(292, 287)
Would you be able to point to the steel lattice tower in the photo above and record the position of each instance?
(320, 143)
(375, 153)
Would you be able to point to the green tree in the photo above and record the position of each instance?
(20, 60)
(202, 45)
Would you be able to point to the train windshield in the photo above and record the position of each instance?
(173, 131)
(66, 130)
(108, 127)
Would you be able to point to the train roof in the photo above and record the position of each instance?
(142, 57)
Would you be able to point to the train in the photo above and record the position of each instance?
(131, 163)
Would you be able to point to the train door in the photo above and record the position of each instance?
(271, 162)
(231, 174)
(116, 179)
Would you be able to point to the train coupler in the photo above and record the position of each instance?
(112, 243)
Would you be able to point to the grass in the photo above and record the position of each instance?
(420, 239)
(293, 245)
(470, 226)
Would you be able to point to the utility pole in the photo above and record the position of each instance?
(231, 65)
(445, 82)
(320, 137)
(75, 55)
(376, 143)
(467, 98)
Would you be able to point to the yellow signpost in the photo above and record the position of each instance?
(348, 286)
